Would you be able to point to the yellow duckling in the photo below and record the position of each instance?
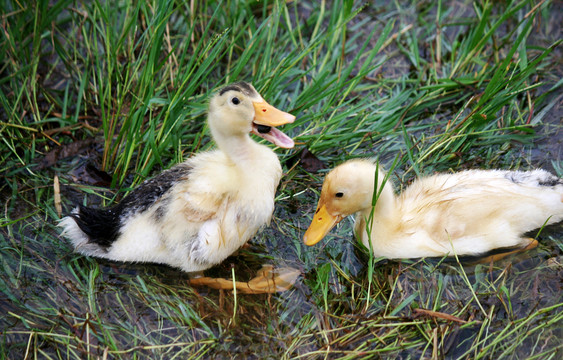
(197, 213)
(466, 213)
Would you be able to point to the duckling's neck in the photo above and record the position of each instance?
(238, 148)
(378, 217)
(385, 204)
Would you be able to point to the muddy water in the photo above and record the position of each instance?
(47, 289)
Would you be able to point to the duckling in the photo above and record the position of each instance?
(199, 212)
(465, 213)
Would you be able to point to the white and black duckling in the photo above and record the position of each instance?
(465, 213)
(199, 212)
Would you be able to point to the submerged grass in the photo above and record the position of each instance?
(91, 88)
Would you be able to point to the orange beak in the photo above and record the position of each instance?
(322, 223)
(266, 114)
(269, 117)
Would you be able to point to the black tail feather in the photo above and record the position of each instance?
(101, 225)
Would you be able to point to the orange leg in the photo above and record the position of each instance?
(492, 258)
(266, 281)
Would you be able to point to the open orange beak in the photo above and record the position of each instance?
(266, 114)
(266, 118)
(322, 223)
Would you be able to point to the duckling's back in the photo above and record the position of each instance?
(479, 210)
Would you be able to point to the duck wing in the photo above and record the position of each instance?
(102, 226)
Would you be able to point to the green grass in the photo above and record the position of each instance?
(123, 86)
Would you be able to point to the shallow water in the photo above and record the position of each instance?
(46, 289)
(53, 297)
(54, 300)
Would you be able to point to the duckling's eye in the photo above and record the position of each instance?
(339, 194)
(235, 100)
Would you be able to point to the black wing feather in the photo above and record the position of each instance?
(103, 226)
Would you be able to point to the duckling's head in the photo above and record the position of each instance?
(237, 109)
(347, 189)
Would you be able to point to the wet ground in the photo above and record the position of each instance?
(60, 290)
(47, 289)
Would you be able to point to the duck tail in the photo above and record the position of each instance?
(91, 231)
(545, 178)
(536, 177)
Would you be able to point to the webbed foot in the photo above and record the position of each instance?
(267, 281)
(496, 257)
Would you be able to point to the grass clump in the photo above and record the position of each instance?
(96, 88)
